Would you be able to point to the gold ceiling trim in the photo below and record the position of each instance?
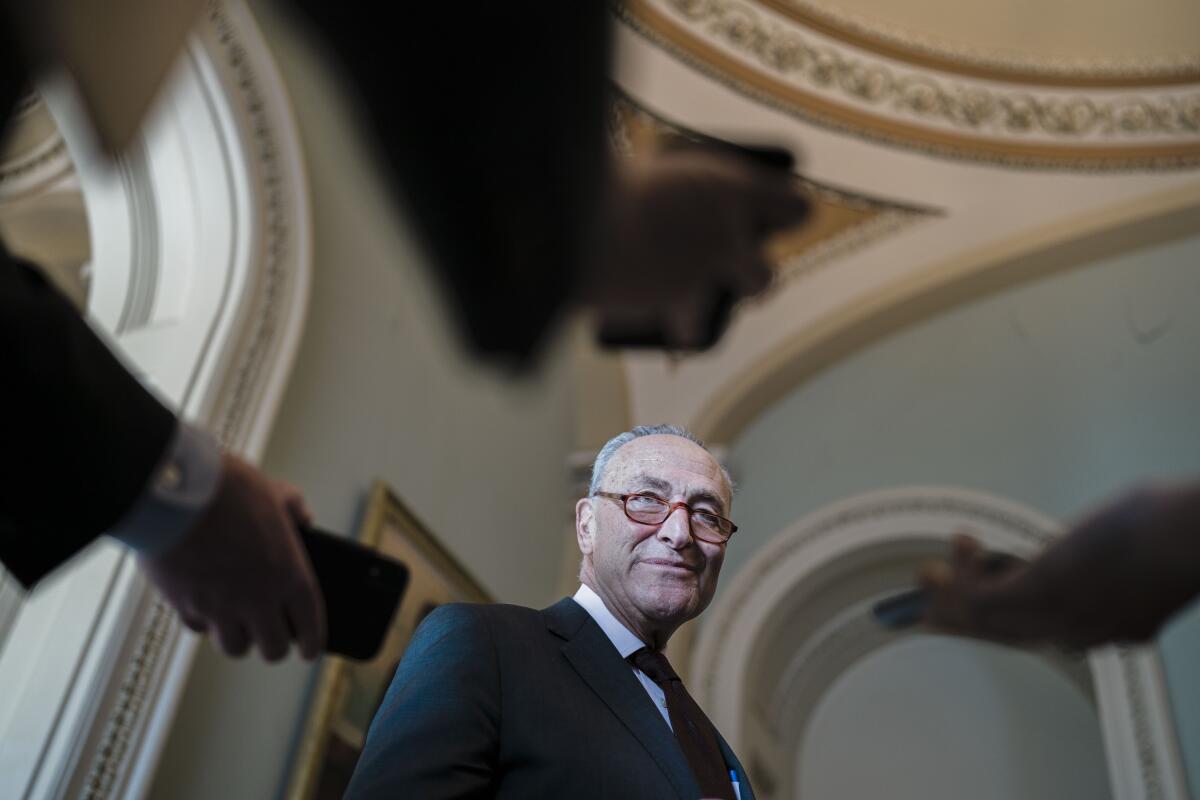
(847, 330)
(1015, 114)
(946, 57)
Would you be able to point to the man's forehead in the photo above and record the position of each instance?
(668, 458)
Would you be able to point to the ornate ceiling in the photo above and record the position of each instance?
(1117, 42)
(890, 84)
(954, 148)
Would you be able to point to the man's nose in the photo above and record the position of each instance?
(676, 529)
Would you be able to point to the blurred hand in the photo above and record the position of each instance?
(1117, 576)
(242, 572)
(686, 225)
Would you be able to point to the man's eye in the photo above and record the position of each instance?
(706, 518)
(640, 501)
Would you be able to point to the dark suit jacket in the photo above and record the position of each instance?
(508, 702)
(80, 435)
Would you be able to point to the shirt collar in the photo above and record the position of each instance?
(622, 638)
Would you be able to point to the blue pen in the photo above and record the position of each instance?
(737, 790)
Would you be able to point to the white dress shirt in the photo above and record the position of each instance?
(624, 640)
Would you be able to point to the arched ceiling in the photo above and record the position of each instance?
(1097, 116)
(1116, 41)
(946, 160)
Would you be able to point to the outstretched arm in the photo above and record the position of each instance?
(1116, 576)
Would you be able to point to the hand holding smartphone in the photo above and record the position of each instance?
(649, 329)
(908, 608)
(362, 590)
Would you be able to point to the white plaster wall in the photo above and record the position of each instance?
(1054, 394)
(379, 390)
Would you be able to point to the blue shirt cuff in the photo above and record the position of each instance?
(179, 492)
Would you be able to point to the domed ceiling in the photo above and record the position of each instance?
(1116, 42)
(952, 148)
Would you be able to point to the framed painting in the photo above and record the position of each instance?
(347, 693)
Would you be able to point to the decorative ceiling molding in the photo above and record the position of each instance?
(806, 74)
(915, 47)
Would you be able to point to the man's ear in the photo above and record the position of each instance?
(585, 525)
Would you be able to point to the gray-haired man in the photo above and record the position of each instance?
(575, 700)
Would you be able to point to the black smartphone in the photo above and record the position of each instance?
(362, 590)
(648, 332)
(906, 609)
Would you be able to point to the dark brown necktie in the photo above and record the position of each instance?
(697, 736)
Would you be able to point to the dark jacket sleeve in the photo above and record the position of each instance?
(80, 434)
(436, 732)
(489, 120)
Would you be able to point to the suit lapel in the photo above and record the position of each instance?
(600, 665)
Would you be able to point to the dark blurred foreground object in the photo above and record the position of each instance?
(906, 609)
(652, 328)
(515, 193)
(362, 590)
(1115, 577)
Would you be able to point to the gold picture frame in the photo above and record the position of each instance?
(347, 693)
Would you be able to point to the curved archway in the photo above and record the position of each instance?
(200, 256)
(797, 617)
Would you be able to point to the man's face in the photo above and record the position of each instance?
(654, 577)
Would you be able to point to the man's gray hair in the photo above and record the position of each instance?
(621, 439)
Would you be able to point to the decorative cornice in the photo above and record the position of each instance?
(275, 229)
(238, 394)
(825, 82)
(161, 625)
(1149, 765)
(879, 227)
(945, 56)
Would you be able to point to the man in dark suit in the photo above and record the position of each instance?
(575, 700)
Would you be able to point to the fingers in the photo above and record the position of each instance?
(934, 575)
(194, 622)
(757, 275)
(241, 574)
(964, 551)
(295, 504)
(271, 635)
(232, 637)
(979, 593)
(778, 204)
(305, 615)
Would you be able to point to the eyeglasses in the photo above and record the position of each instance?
(650, 510)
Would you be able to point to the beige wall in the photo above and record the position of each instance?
(379, 390)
